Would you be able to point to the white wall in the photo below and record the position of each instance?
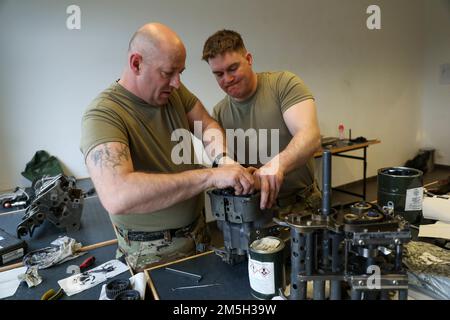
(436, 97)
(371, 81)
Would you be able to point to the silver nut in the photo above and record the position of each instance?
(361, 242)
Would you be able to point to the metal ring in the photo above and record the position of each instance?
(115, 287)
(360, 207)
(129, 295)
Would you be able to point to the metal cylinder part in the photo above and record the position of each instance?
(402, 187)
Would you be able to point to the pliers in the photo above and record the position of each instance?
(52, 294)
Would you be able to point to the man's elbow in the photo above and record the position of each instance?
(316, 142)
(112, 204)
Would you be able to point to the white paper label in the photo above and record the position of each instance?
(13, 255)
(261, 276)
(414, 199)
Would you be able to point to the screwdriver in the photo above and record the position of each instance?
(87, 263)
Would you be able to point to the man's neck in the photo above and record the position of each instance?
(129, 84)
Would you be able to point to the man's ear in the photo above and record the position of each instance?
(135, 62)
(249, 58)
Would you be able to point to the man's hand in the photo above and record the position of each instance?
(271, 177)
(235, 176)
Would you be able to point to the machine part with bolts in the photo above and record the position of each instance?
(57, 200)
(358, 251)
(241, 221)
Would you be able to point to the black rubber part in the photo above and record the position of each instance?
(115, 287)
(129, 295)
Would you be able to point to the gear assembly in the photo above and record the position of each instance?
(353, 253)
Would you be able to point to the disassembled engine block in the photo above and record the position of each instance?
(241, 221)
(57, 200)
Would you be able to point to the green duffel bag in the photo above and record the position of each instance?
(42, 164)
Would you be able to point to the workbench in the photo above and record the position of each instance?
(341, 147)
(95, 228)
(233, 282)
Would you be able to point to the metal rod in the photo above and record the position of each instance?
(326, 183)
(196, 287)
(318, 290)
(298, 288)
(403, 294)
(398, 257)
(365, 173)
(335, 285)
(309, 253)
(325, 249)
(356, 294)
(184, 273)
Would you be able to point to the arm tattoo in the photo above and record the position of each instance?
(106, 157)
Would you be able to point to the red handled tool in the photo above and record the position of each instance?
(87, 263)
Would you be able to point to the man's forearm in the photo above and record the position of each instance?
(138, 192)
(298, 151)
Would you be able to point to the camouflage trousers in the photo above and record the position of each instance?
(308, 199)
(141, 255)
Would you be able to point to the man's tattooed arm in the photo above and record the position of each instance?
(108, 157)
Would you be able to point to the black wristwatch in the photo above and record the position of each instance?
(215, 163)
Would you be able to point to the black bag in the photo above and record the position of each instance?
(420, 161)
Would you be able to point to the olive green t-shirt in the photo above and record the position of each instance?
(117, 115)
(276, 92)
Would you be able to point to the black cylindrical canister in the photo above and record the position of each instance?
(403, 187)
(266, 267)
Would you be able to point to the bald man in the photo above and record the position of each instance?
(155, 203)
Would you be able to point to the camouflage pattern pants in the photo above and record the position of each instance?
(141, 255)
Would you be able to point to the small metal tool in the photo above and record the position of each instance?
(195, 287)
(187, 274)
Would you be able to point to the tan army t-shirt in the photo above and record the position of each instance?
(117, 115)
(276, 92)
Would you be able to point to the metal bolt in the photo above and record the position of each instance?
(308, 223)
(360, 282)
(394, 282)
(361, 242)
(397, 241)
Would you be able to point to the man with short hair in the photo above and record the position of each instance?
(154, 202)
(268, 100)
